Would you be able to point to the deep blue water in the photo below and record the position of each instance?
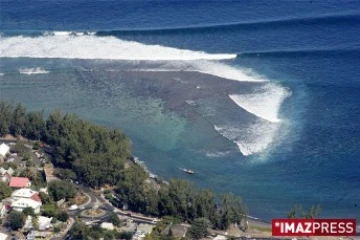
(310, 48)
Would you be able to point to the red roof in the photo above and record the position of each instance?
(36, 197)
(18, 182)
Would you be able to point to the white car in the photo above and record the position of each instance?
(73, 207)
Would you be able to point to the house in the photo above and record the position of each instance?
(4, 150)
(26, 193)
(107, 226)
(5, 175)
(4, 236)
(21, 203)
(44, 223)
(3, 210)
(19, 182)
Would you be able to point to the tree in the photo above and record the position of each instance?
(79, 231)
(62, 216)
(61, 189)
(28, 211)
(66, 174)
(45, 198)
(16, 220)
(114, 219)
(19, 147)
(18, 120)
(313, 212)
(297, 212)
(5, 190)
(199, 227)
(124, 235)
(26, 156)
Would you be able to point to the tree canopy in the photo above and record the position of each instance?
(16, 220)
(61, 190)
(5, 190)
(97, 156)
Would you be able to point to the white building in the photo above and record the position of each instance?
(4, 149)
(24, 193)
(44, 223)
(107, 225)
(20, 204)
(3, 210)
(3, 236)
(5, 175)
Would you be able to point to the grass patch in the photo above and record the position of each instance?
(262, 229)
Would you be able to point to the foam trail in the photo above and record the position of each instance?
(250, 140)
(208, 67)
(31, 71)
(75, 46)
(264, 103)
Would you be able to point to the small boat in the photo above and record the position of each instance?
(188, 171)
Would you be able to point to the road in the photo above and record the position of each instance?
(107, 206)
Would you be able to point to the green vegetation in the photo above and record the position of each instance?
(298, 212)
(84, 232)
(114, 219)
(66, 174)
(97, 156)
(28, 211)
(5, 190)
(61, 190)
(62, 216)
(16, 220)
(199, 228)
(49, 210)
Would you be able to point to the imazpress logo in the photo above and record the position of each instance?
(314, 227)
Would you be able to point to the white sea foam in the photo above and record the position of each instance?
(264, 103)
(255, 138)
(31, 71)
(216, 154)
(1, 74)
(72, 46)
(208, 67)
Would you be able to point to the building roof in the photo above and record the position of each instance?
(18, 182)
(10, 171)
(43, 223)
(4, 149)
(36, 197)
(3, 236)
(23, 193)
(25, 202)
(107, 225)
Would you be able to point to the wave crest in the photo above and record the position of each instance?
(264, 103)
(80, 46)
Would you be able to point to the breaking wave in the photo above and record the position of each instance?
(253, 139)
(84, 46)
(31, 71)
(264, 103)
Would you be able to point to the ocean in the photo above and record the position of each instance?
(259, 98)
